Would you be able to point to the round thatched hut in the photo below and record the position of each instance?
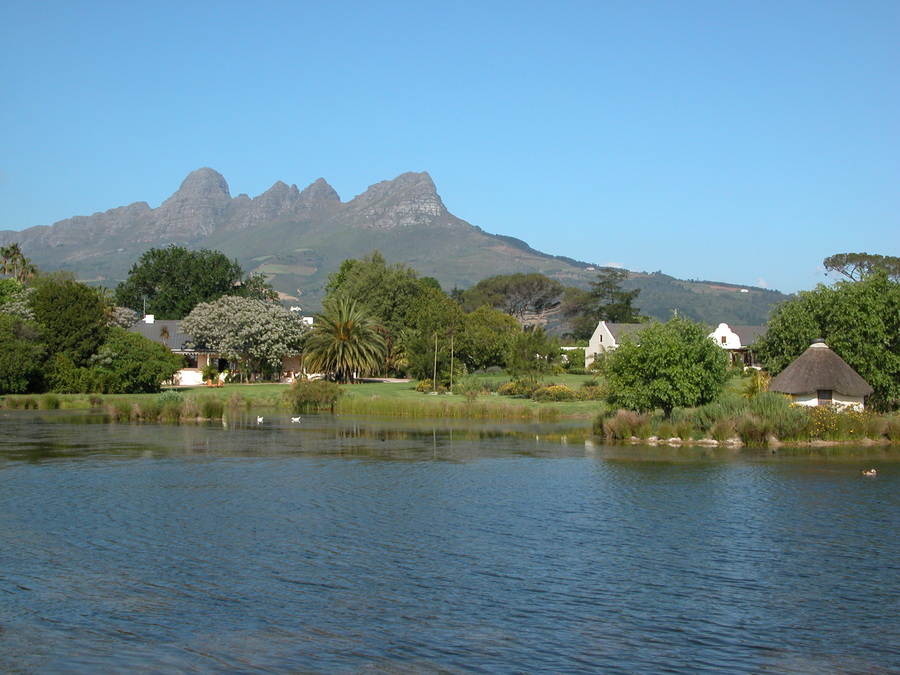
(820, 377)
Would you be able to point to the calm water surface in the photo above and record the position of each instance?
(348, 545)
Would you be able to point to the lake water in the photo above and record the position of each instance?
(342, 545)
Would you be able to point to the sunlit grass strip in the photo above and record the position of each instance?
(436, 408)
(164, 408)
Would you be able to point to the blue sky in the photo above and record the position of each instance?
(725, 140)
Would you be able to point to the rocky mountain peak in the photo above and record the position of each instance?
(410, 199)
(197, 207)
(320, 192)
(204, 182)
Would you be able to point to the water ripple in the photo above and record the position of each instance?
(345, 548)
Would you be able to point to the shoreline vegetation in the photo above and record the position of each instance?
(764, 420)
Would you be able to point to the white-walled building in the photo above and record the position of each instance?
(737, 340)
(819, 376)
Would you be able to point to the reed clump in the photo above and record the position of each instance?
(429, 407)
(755, 421)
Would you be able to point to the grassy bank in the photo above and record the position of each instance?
(765, 419)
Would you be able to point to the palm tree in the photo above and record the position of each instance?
(13, 263)
(8, 257)
(345, 341)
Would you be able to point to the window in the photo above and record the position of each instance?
(824, 396)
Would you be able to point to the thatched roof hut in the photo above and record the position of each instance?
(819, 376)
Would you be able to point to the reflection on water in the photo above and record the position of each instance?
(347, 545)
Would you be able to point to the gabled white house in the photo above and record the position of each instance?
(606, 337)
(737, 340)
(168, 333)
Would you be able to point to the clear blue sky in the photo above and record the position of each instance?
(723, 140)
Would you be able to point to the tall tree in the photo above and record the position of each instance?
(486, 338)
(13, 263)
(254, 335)
(71, 317)
(859, 266)
(531, 354)
(406, 309)
(345, 341)
(860, 321)
(604, 301)
(527, 297)
(170, 282)
(21, 356)
(667, 365)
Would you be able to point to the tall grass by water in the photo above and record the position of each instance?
(758, 421)
(438, 407)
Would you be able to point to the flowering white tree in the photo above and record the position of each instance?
(253, 334)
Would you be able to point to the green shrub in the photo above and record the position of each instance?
(554, 392)
(471, 388)
(169, 396)
(209, 372)
(306, 396)
(521, 388)
(592, 390)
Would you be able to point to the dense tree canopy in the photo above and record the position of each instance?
(522, 296)
(170, 282)
(605, 301)
(532, 354)
(486, 339)
(408, 310)
(667, 365)
(71, 317)
(129, 363)
(859, 320)
(21, 356)
(252, 334)
(859, 266)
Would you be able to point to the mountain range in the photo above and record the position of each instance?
(297, 237)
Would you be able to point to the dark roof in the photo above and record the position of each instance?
(749, 334)
(820, 368)
(165, 332)
(618, 330)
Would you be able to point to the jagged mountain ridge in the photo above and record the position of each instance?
(298, 237)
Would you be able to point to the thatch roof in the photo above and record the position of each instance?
(820, 368)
